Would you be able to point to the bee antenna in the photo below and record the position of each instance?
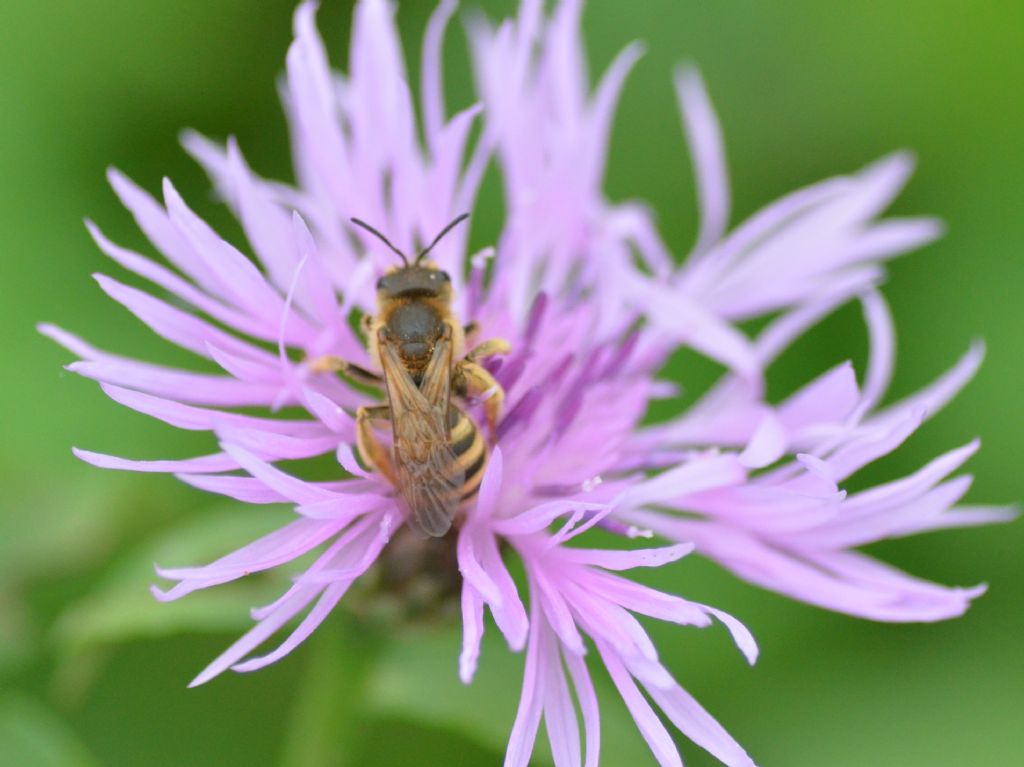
(458, 220)
(382, 238)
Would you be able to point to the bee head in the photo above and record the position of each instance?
(426, 281)
(419, 279)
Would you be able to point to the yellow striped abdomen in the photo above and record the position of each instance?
(470, 448)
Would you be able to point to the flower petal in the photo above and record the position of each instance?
(647, 721)
(472, 631)
(699, 726)
(708, 152)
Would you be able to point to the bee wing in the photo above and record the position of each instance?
(427, 472)
(436, 386)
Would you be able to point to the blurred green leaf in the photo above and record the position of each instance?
(328, 712)
(32, 736)
(56, 527)
(416, 678)
(121, 607)
(15, 632)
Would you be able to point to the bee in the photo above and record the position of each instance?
(438, 453)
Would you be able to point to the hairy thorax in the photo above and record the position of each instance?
(415, 325)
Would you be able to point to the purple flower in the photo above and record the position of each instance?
(592, 304)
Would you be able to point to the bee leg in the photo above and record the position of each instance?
(331, 364)
(490, 348)
(474, 380)
(373, 453)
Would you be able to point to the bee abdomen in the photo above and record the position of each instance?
(470, 449)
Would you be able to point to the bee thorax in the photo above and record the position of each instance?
(415, 327)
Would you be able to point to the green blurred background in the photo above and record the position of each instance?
(93, 672)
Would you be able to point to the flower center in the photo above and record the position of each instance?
(416, 580)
